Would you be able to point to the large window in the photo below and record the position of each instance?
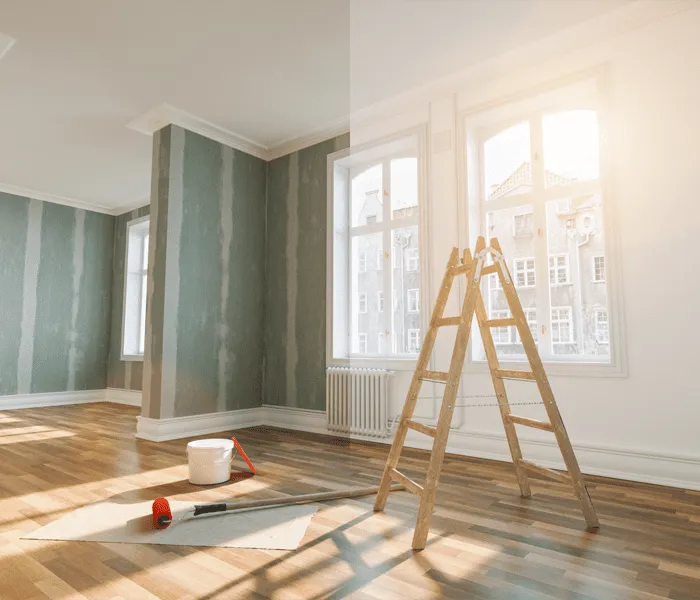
(135, 285)
(533, 171)
(376, 251)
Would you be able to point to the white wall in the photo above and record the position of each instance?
(645, 426)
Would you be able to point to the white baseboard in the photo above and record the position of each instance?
(160, 430)
(646, 466)
(121, 396)
(40, 400)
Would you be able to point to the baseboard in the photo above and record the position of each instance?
(121, 396)
(645, 466)
(161, 430)
(40, 400)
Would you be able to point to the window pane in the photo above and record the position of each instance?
(574, 243)
(520, 252)
(404, 187)
(405, 278)
(367, 196)
(367, 294)
(571, 147)
(507, 166)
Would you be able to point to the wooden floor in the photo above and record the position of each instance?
(486, 541)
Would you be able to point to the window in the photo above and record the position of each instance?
(414, 340)
(531, 318)
(599, 269)
(135, 286)
(362, 263)
(412, 259)
(362, 343)
(494, 282)
(602, 332)
(562, 326)
(524, 272)
(534, 182)
(522, 225)
(502, 335)
(374, 245)
(362, 304)
(559, 269)
(413, 300)
(380, 343)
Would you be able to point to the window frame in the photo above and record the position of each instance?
(596, 323)
(410, 331)
(569, 310)
(556, 269)
(586, 89)
(360, 298)
(339, 350)
(416, 296)
(412, 260)
(135, 275)
(594, 279)
(525, 271)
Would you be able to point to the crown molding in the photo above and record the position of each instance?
(125, 208)
(165, 114)
(329, 131)
(55, 199)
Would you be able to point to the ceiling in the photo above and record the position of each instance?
(268, 71)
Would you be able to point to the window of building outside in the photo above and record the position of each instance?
(376, 252)
(538, 191)
(135, 286)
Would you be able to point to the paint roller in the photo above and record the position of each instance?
(163, 517)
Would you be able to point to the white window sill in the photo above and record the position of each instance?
(132, 357)
(378, 362)
(554, 368)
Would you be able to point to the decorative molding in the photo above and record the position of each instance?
(160, 430)
(45, 197)
(121, 396)
(125, 208)
(164, 114)
(329, 131)
(43, 400)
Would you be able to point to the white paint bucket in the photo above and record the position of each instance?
(209, 461)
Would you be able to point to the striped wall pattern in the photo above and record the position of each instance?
(204, 346)
(295, 261)
(121, 374)
(55, 292)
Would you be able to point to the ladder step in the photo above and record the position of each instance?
(406, 481)
(528, 466)
(530, 422)
(507, 374)
(416, 426)
(460, 270)
(448, 321)
(489, 269)
(437, 376)
(500, 322)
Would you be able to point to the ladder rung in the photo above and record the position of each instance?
(507, 374)
(499, 322)
(461, 270)
(439, 376)
(489, 269)
(407, 481)
(448, 321)
(527, 465)
(530, 422)
(416, 426)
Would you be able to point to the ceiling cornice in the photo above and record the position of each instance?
(46, 197)
(165, 114)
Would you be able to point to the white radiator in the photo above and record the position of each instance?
(357, 401)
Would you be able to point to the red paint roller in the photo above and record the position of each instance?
(162, 516)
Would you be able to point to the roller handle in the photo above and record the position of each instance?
(201, 509)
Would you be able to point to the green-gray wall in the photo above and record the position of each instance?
(295, 290)
(204, 347)
(55, 290)
(127, 375)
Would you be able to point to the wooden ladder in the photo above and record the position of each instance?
(473, 303)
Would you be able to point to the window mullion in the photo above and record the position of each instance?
(539, 213)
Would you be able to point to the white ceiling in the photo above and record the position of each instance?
(269, 71)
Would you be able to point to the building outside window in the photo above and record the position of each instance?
(559, 269)
(135, 287)
(599, 269)
(414, 340)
